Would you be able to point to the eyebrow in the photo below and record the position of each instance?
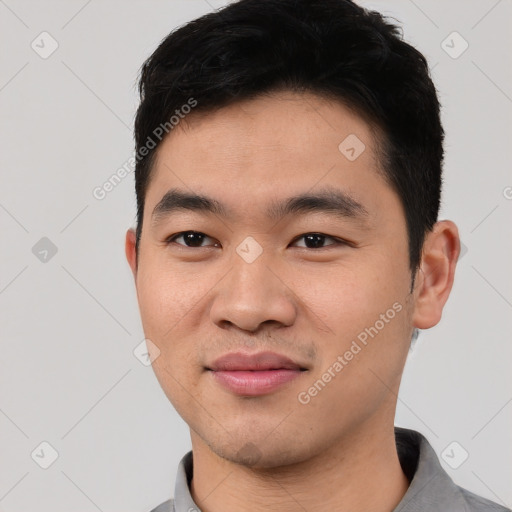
(327, 200)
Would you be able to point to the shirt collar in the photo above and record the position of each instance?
(430, 489)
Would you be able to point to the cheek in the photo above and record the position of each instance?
(346, 299)
(170, 300)
(167, 301)
(166, 295)
(366, 312)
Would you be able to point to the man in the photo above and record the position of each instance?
(287, 249)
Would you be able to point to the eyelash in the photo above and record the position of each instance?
(337, 241)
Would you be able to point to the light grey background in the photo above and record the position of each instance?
(69, 325)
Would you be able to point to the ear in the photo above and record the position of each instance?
(130, 250)
(434, 279)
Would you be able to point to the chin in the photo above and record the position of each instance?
(260, 455)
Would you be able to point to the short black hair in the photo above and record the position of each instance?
(333, 48)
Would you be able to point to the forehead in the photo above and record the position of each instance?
(283, 141)
(275, 121)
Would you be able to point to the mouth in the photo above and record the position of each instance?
(254, 374)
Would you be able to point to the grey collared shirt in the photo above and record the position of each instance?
(430, 490)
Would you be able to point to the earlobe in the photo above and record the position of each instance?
(130, 250)
(435, 277)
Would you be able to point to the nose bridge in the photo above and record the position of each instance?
(252, 293)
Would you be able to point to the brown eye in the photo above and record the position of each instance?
(190, 239)
(315, 240)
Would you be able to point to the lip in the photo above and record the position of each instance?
(254, 374)
(238, 361)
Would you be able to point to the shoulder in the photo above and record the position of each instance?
(475, 503)
(166, 506)
(431, 488)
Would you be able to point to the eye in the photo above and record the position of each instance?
(196, 239)
(191, 239)
(316, 240)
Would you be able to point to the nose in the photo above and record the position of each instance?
(253, 294)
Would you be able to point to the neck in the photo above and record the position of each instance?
(360, 472)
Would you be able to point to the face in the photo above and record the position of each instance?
(324, 282)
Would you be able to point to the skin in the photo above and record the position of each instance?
(273, 452)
